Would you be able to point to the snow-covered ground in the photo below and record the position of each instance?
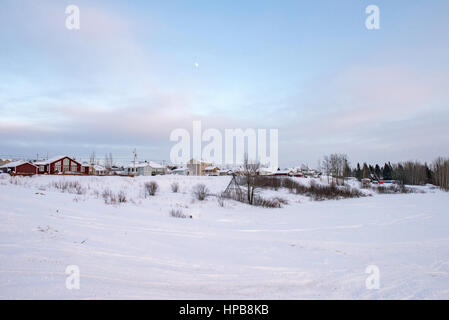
(136, 250)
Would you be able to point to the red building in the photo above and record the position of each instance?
(20, 168)
(63, 164)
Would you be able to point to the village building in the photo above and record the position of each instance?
(182, 171)
(212, 171)
(284, 172)
(60, 164)
(20, 168)
(197, 167)
(146, 168)
(266, 171)
(4, 161)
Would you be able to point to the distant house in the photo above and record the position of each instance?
(183, 171)
(4, 161)
(98, 170)
(20, 167)
(146, 168)
(60, 164)
(285, 172)
(212, 171)
(196, 167)
(266, 171)
(85, 168)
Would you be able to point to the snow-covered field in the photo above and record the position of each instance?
(136, 250)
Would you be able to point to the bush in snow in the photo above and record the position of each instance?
(108, 197)
(151, 188)
(314, 190)
(221, 200)
(177, 213)
(175, 187)
(121, 197)
(392, 189)
(266, 203)
(200, 191)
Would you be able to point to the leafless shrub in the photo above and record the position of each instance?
(392, 189)
(266, 203)
(69, 186)
(175, 187)
(121, 197)
(221, 200)
(315, 190)
(200, 191)
(151, 188)
(177, 213)
(281, 200)
(109, 197)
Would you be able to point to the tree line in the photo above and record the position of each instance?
(408, 172)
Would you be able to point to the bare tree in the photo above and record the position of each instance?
(92, 158)
(336, 165)
(108, 161)
(441, 173)
(326, 167)
(250, 169)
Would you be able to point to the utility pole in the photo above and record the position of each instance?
(135, 156)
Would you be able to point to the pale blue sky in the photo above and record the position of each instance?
(308, 68)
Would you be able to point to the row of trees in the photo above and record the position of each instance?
(409, 172)
(108, 160)
(337, 168)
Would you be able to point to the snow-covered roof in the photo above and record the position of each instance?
(51, 160)
(196, 161)
(97, 167)
(284, 171)
(268, 170)
(13, 164)
(151, 164)
(155, 165)
(211, 168)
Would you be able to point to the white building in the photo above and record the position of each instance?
(146, 168)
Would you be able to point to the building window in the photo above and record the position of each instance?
(41, 168)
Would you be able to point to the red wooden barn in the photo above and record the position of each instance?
(20, 168)
(61, 164)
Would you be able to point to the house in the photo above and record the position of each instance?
(85, 168)
(145, 168)
(20, 167)
(285, 172)
(98, 170)
(60, 164)
(266, 171)
(196, 167)
(157, 169)
(4, 161)
(211, 171)
(183, 171)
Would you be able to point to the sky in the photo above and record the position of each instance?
(135, 71)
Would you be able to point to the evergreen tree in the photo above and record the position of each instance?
(377, 171)
(429, 174)
(387, 172)
(358, 172)
(366, 174)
